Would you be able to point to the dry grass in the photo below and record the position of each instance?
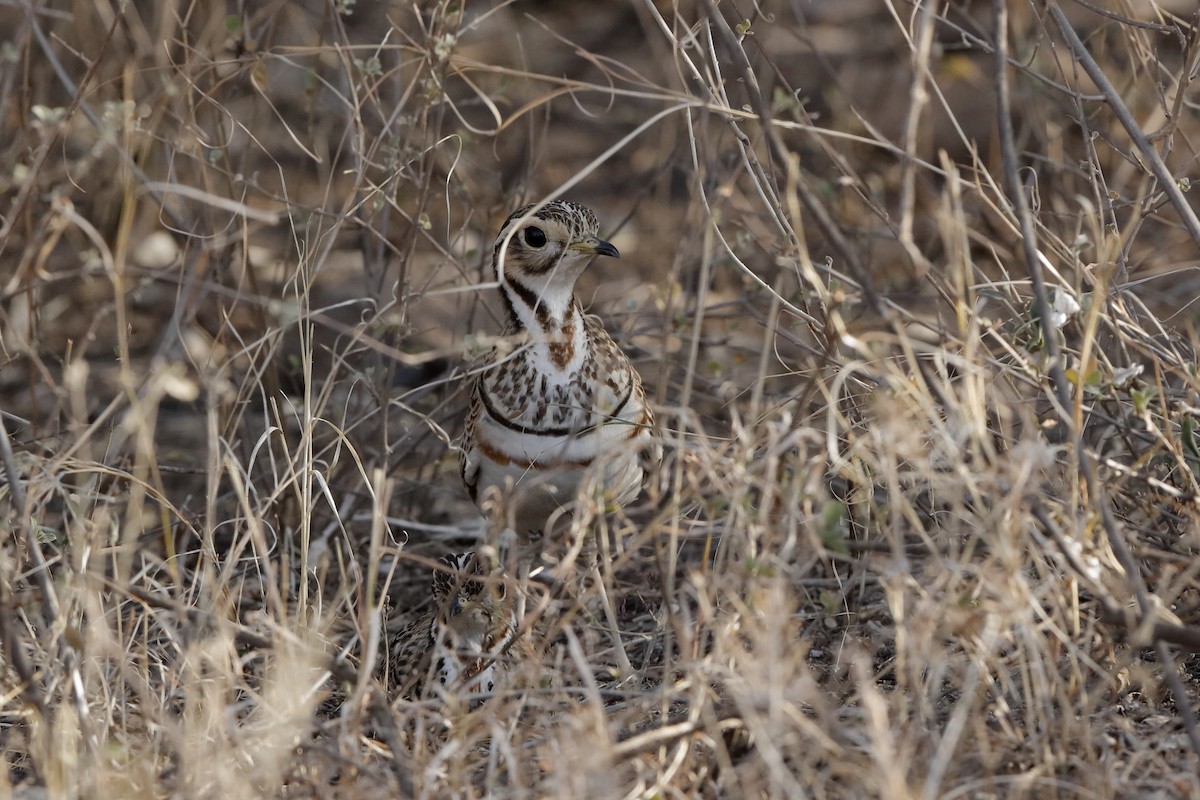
(917, 536)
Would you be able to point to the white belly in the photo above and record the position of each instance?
(543, 476)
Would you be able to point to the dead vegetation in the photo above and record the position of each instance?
(922, 342)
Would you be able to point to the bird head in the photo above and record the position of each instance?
(542, 250)
(468, 608)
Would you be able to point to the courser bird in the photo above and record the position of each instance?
(459, 646)
(558, 401)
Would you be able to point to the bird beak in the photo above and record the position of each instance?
(456, 607)
(594, 247)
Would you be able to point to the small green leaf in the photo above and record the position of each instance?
(832, 529)
(1141, 399)
(1187, 431)
(830, 602)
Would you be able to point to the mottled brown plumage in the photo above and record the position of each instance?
(560, 401)
(459, 645)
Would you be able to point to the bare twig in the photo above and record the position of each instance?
(1166, 181)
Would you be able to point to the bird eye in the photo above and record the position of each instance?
(535, 236)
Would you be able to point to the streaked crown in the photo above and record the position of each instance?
(455, 588)
(535, 240)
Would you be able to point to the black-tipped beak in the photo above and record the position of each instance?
(593, 246)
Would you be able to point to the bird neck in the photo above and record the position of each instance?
(469, 629)
(546, 312)
(553, 322)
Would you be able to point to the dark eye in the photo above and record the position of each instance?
(535, 236)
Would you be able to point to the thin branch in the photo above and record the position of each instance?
(1166, 181)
